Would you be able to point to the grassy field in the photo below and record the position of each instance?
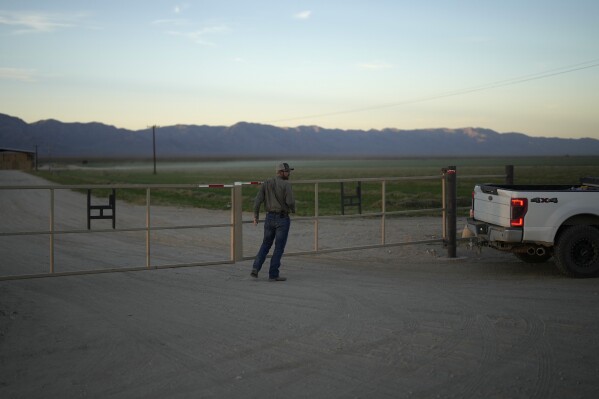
(400, 196)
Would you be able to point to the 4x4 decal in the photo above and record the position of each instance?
(544, 200)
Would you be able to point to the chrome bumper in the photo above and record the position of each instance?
(491, 232)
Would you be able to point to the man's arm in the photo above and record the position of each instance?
(289, 198)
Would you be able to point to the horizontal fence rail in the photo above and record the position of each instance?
(52, 232)
(236, 220)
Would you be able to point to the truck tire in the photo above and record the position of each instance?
(525, 257)
(577, 251)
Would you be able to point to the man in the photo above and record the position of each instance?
(277, 195)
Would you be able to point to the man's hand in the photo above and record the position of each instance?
(255, 221)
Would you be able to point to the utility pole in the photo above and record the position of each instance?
(154, 144)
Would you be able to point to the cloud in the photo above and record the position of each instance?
(201, 36)
(171, 22)
(179, 8)
(375, 66)
(37, 22)
(19, 74)
(303, 15)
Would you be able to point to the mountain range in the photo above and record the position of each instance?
(57, 139)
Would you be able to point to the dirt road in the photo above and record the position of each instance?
(366, 324)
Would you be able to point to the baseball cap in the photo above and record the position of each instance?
(284, 167)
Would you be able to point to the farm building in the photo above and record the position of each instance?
(11, 158)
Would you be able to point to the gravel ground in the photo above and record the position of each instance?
(404, 322)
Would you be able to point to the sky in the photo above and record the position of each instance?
(528, 66)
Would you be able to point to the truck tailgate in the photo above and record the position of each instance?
(491, 207)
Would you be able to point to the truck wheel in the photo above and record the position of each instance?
(525, 257)
(577, 251)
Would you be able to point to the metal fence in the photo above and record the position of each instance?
(235, 226)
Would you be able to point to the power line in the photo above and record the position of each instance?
(488, 86)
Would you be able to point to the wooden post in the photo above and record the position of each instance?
(237, 223)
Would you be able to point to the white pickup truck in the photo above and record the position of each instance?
(537, 222)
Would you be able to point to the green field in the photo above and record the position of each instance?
(400, 196)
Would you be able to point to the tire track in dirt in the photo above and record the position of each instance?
(493, 362)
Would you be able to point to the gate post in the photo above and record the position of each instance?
(237, 223)
(52, 230)
(451, 214)
(509, 174)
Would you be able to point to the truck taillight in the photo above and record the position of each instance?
(519, 206)
(472, 206)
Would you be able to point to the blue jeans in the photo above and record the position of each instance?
(276, 229)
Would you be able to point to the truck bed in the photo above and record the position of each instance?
(586, 184)
(546, 206)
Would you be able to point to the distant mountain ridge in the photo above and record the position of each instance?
(250, 140)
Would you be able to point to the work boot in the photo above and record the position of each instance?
(278, 279)
(254, 273)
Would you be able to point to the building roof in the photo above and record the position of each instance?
(3, 149)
